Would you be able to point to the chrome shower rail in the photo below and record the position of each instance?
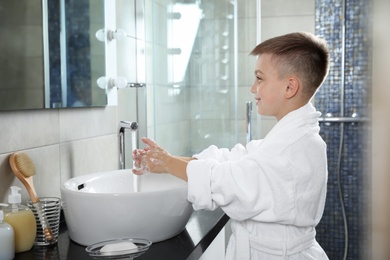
(344, 119)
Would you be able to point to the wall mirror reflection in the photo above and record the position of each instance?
(50, 57)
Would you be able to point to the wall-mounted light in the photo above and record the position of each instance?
(118, 34)
(108, 83)
(118, 82)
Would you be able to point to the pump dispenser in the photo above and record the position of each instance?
(7, 244)
(22, 220)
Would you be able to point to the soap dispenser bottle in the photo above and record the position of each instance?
(22, 220)
(7, 244)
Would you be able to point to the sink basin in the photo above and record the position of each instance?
(103, 206)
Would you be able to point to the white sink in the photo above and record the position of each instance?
(103, 206)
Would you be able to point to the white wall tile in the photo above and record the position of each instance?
(47, 164)
(28, 129)
(88, 156)
(76, 124)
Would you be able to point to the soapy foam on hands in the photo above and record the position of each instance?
(150, 154)
(156, 157)
(140, 164)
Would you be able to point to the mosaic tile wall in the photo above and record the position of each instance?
(353, 174)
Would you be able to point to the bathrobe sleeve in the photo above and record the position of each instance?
(255, 185)
(223, 154)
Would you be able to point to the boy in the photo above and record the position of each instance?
(273, 189)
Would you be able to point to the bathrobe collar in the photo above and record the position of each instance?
(304, 118)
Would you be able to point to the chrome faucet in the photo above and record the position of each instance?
(123, 125)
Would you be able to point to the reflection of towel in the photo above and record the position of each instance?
(280, 180)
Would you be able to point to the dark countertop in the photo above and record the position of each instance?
(191, 243)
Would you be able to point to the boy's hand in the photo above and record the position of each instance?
(152, 158)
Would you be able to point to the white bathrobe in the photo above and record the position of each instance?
(273, 189)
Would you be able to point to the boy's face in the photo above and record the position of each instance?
(268, 88)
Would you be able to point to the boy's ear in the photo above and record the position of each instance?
(292, 88)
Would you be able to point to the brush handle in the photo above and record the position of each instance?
(43, 221)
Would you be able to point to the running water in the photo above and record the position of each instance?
(133, 147)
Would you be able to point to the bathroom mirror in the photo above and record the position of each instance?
(50, 57)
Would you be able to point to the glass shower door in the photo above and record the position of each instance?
(193, 89)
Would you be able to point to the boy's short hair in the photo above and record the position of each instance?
(301, 54)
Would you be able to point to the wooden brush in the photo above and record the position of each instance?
(23, 167)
